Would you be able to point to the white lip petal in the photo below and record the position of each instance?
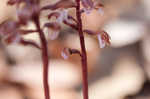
(53, 34)
(60, 19)
(101, 42)
(64, 55)
(101, 11)
(87, 11)
(63, 16)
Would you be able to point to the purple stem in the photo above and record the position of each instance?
(44, 58)
(83, 52)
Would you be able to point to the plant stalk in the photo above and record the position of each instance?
(45, 61)
(83, 52)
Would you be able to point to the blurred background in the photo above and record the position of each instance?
(119, 71)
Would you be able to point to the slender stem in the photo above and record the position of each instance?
(29, 42)
(44, 58)
(83, 49)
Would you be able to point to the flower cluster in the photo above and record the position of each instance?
(30, 10)
(11, 30)
(60, 11)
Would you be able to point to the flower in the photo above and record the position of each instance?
(88, 6)
(52, 29)
(10, 32)
(8, 27)
(63, 15)
(12, 38)
(87, 3)
(101, 42)
(65, 53)
(104, 39)
(101, 11)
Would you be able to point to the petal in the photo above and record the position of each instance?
(55, 14)
(101, 11)
(27, 12)
(87, 3)
(8, 27)
(105, 37)
(12, 38)
(53, 34)
(52, 29)
(63, 16)
(60, 19)
(65, 53)
(101, 42)
(87, 10)
(53, 25)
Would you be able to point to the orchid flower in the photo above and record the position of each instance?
(52, 29)
(104, 39)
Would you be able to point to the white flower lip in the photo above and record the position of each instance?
(64, 55)
(63, 16)
(101, 42)
(101, 11)
(53, 35)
